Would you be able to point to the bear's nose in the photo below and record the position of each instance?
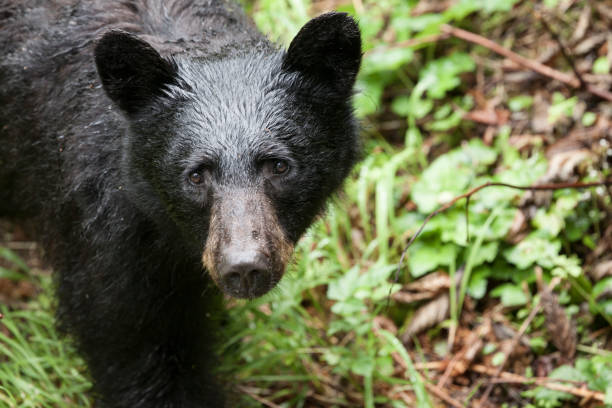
(245, 275)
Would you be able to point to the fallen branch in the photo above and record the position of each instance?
(434, 389)
(579, 390)
(550, 383)
(525, 62)
(438, 392)
(257, 398)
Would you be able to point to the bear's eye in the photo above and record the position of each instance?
(280, 167)
(272, 168)
(196, 177)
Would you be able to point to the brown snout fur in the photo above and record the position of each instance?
(244, 220)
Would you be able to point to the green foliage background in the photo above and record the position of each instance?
(323, 313)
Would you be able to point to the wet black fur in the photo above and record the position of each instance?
(101, 172)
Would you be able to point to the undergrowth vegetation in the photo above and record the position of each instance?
(511, 289)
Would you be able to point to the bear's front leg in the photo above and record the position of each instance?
(148, 336)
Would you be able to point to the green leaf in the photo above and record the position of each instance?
(442, 74)
(601, 66)
(565, 266)
(401, 105)
(11, 274)
(427, 256)
(608, 395)
(450, 174)
(344, 287)
(363, 365)
(465, 7)
(416, 24)
(551, 222)
(486, 253)
(386, 59)
(531, 250)
(553, 398)
(538, 343)
(520, 102)
(561, 107)
(589, 119)
(604, 285)
(477, 287)
(370, 90)
(13, 258)
(445, 123)
(498, 358)
(349, 306)
(511, 295)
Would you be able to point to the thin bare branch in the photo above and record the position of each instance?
(550, 383)
(525, 62)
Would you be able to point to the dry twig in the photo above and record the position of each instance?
(257, 398)
(550, 383)
(525, 62)
(437, 391)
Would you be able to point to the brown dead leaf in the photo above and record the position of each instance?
(472, 343)
(525, 141)
(427, 316)
(600, 258)
(562, 330)
(383, 322)
(433, 282)
(493, 117)
(589, 43)
(436, 6)
(539, 120)
(15, 291)
(563, 165)
(424, 288)
(583, 24)
(601, 270)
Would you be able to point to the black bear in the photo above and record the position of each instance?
(153, 145)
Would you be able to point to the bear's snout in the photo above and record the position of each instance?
(246, 251)
(245, 274)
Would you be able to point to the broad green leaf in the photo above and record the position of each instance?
(561, 107)
(344, 287)
(602, 286)
(486, 253)
(442, 74)
(363, 365)
(511, 295)
(533, 249)
(401, 105)
(477, 287)
(520, 102)
(450, 174)
(386, 59)
(424, 257)
(564, 266)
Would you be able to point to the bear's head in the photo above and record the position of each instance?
(241, 149)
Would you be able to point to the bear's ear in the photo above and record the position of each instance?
(131, 71)
(327, 49)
